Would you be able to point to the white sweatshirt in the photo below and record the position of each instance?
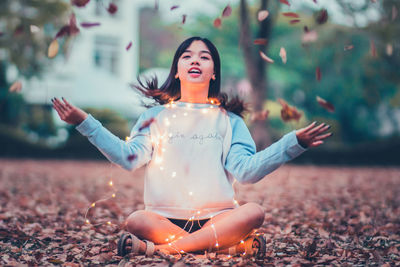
(193, 154)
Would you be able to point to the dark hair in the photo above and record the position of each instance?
(170, 90)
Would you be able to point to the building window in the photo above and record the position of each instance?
(106, 54)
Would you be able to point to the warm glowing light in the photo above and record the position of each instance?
(174, 116)
(190, 193)
(189, 105)
(185, 114)
(235, 201)
(111, 183)
(198, 212)
(217, 245)
(169, 244)
(127, 138)
(204, 110)
(241, 241)
(163, 149)
(159, 160)
(93, 204)
(161, 168)
(173, 174)
(113, 195)
(109, 223)
(87, 221)
(212, 226)
(172, 236)
(166, 239)
(244, 253)
(182, 251)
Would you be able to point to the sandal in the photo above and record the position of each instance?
(255, 245)
(150, 248)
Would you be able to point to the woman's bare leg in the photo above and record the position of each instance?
(230, 227)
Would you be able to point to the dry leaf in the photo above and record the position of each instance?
(79, 3)
(294, 21)
(290, 14)
(227, 11)
(90, 24)
(260, 41)
(262, 14)
(129, 46)
(288, 112)
(112, 8)
(15, 87)
(174, 7)
(265, 57)
(372, 48)
(325, 104)
(282, 54)
(217, 23)
(284, 2)
(322, 16)
(53, 49)
(184, 18)
(318, 74)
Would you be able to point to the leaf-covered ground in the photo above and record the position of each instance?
(314, 215)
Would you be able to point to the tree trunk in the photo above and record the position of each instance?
(256, 70)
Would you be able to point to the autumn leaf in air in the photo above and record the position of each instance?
(288, 112)
(262, 14)
(318, 73)
(282, 54)
(260, 41)
(90, 24)
(129, 46)
(217, 23)
(15, 87)
(322, 16)
(71, 29)
(227, 11)
(173, 7)
(348, 47)
(112, 8)
(265, 57)
(291, 14)
(53, 49)
(294, 21)
(325, 104)
(372, 48)
(184, 18)
(284, 2)
(79, 3)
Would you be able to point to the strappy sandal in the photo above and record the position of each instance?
(255, 245)
(150, 248)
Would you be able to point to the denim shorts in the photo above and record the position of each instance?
(189, 226)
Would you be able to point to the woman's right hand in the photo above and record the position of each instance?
(67, 112)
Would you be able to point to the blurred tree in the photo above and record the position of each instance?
(26, 30)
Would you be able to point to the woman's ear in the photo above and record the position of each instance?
(213, 77)
(176, 76)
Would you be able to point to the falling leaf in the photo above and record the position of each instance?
(282, 54)
(348, 47)
(265, 57)
(146, 124)
(217, 23)
(318, 73)
(372, 48)
(262, 14)
(284, 2)
(227, 11)
(294, 21)
(34, 29)
(183, 19)
(288, 112)
(112, 8)
(322, 16)
(79, 3)
(129, 46)
(260, 41)
(325, 104)
(321, 231)
(132, 157)
(174, 7)
(90, 24)
(259, 115)
(394, 12)
(291, 14)
(310, 37)
(15, 87)
(389, 49)
(53, 49)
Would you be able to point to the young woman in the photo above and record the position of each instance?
(195, 144)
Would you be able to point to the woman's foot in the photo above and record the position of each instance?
(129, 243)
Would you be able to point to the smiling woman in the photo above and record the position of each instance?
(194, 146)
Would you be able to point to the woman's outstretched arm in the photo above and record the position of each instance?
(247, 166)
(130, 154)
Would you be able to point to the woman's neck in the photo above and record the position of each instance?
(194, 93)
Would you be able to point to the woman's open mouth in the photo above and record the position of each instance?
(194, 72)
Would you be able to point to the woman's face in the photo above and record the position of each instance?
(196, 65)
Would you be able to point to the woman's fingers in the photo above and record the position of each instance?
(321, 137)
(61, 105)
(57, 107)
(316, 129)
(67, 103)
(316, 143)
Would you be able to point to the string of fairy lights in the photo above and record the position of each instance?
(158, 142)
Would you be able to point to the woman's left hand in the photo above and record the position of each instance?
(312, 135)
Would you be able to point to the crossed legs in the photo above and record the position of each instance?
(230, 228)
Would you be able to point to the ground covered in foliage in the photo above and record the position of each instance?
(314, 215)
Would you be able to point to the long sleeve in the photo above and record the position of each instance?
(246, 165)
(130, 154)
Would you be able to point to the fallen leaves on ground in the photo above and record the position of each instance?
(313, 216)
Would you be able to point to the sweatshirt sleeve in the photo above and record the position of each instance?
(130, 154)
(246, 165)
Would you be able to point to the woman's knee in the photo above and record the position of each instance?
(136, 222)
(256, 214)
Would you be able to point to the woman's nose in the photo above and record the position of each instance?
(195, 62)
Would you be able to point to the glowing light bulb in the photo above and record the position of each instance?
(159, 160)
(173, 115)
(109, 223)
(198, 212)
(162, 168)
(111, 183)
(173, 174)
(216, 244)
(87, 221)
(166, 239)
(172, 236)
(167, 123)
(235, 201)
(241, 241)
(93, 204)
(189, 105)
(212, 226)
(127, 138)
(169, 244)
(190, 193)
(185, 114)
(163, 149)
(113, 195)
(182, 251)
(204, 110)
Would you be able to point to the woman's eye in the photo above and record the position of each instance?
(205, 58)
(185, 56)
